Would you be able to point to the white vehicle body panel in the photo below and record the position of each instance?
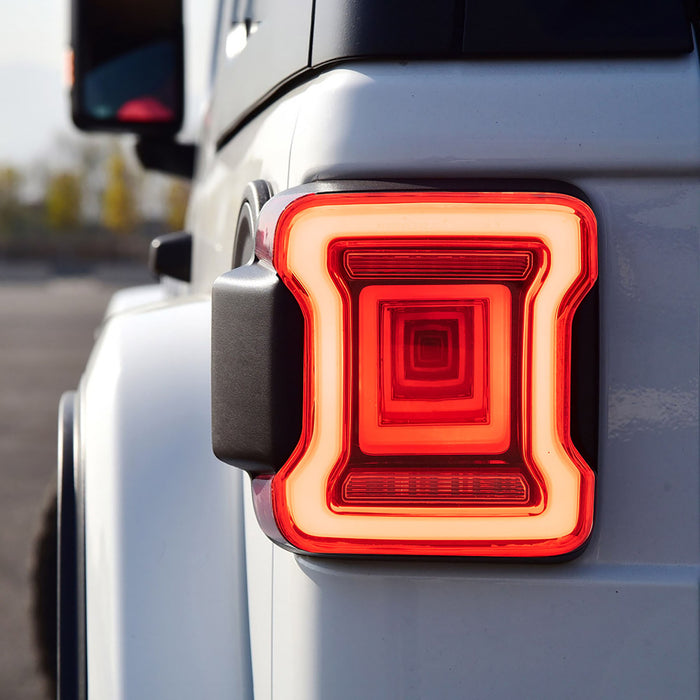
(168, 525)
(165, 573)
(132, 297)
(498, 119)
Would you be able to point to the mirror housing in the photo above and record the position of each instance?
(128, 66)
(167, 156)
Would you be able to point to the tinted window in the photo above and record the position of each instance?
(575, 27)
(455, 28)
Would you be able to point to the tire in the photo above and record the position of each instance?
(44, 593)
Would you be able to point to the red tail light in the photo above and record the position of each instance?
(437, 355)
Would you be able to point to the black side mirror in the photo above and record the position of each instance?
(128, 66)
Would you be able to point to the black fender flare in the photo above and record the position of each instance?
(71, 637)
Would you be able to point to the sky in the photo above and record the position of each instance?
(33, 100)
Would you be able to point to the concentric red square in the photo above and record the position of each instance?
(429, 348)
(425, 368)
(431, 354)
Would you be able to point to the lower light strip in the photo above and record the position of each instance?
(432, 487)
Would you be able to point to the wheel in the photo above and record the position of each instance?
(44, 593)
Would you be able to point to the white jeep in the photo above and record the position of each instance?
(436, 311)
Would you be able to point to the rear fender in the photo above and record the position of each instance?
(166, 605)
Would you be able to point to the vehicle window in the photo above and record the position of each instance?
(577, 27)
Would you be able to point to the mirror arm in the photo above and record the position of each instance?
(167, 155)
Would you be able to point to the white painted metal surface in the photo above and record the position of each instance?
(133, 297)
(498, 119)
(259, 152)
(166, 610)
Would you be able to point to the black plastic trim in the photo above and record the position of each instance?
(585, 379)
(72, 654)
(167, 156)
(257, 347)
(171, 255)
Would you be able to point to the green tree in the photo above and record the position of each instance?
(63, 200)
(10, 183)
(118, 206)
(176, 204)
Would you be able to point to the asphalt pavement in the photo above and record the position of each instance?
(47, 326)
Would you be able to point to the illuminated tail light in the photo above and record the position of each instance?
(436, 373)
